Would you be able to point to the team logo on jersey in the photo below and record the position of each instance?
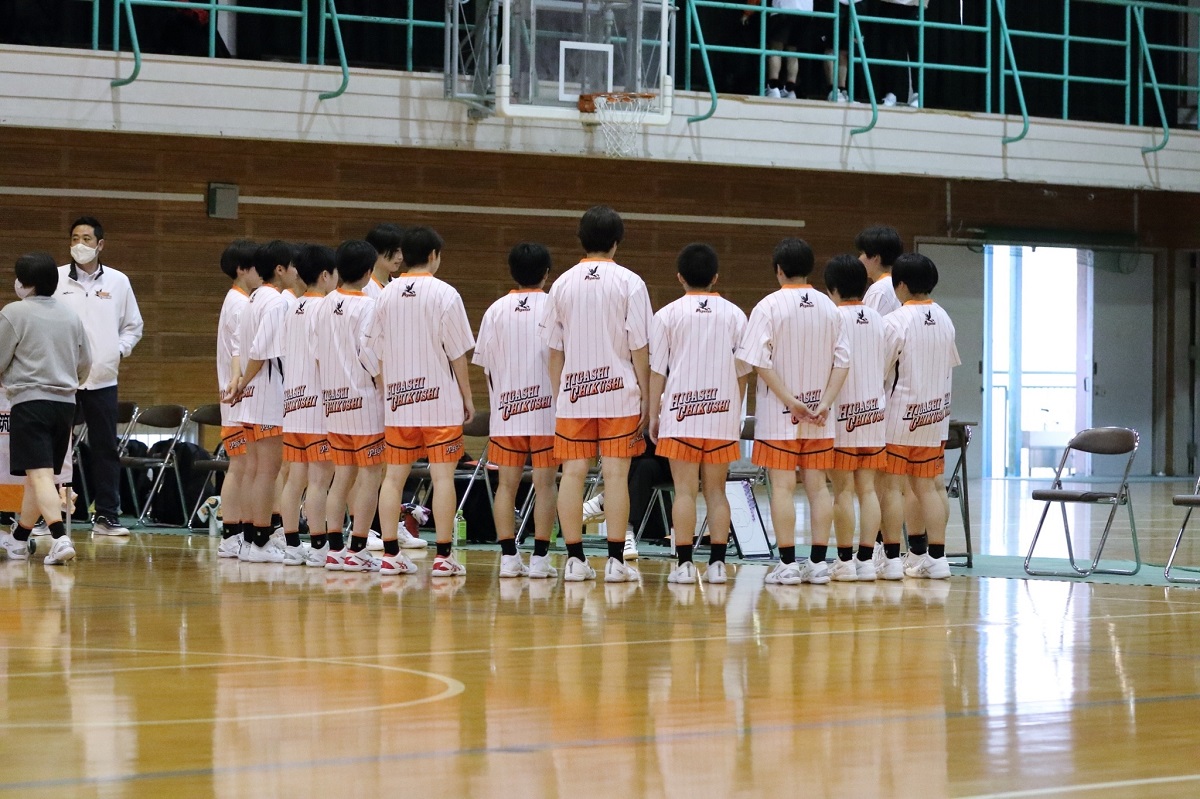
(338, 400)
(702, 307)
(375, 450)
(410, 290)
(805, 302)
(929, 318)
(523, 400)
(861, 319)
(591, 382)
(300, 307)
(593, 273)
(454, 447)
(859, 414)
(323, 447)
(522, 305)
(410, 392)
(923, 414)
(295, 400)
(337, 309)
(697, 403)
(104, 295)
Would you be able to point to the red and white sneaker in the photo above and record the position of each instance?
(334, 560)
(362, 561)
(448, 567)
(396, 564)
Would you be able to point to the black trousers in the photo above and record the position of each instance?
(895, 43)
(98, 408)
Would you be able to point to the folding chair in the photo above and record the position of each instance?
(479, 427)
(126, 413)
(956, 486)
(1189, 501)
(1113, 441)
(208, 416)
(163, 417)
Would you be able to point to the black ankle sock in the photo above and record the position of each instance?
(845, 553)
(865, 553)
(787, 554)
(22, 533)
(616, 549)
(358, 543)
(304, 526)
(937, 550)
(391, 548)
(879, 537)
(57, 529)
(292, 539)
(576, 551)
(276, 521)
(717, 553)
(443, 550)
(336, 540)
(789, 87)
(918, 544)
(317, 541)
(231, 529)
(540, 548)
(891, 551)
(508, 546)
(818, 552)
(684, 553)
(261, 535)
(774, 83)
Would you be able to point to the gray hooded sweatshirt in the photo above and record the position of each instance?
(44, 352)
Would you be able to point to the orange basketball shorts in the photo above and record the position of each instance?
(792, 454)
(407, 445)
(582, 439)
(306, 448)
(916, 461)
(519, 450)
(233, 439)
(356, 450)
(852, 459)
(698, 450)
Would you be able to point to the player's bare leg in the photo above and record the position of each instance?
(820, 519)
(932, 496)
(686, 477)
(888, 565)
(783, 519)
(445, 503)
(289, 503)
(316, 501)
(712, 483)
(335, 513)
(504, 517)
(391, 507)
(616, 517)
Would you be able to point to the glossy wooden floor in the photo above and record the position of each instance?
(151, 669)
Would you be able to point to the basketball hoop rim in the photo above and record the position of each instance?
(587, 102)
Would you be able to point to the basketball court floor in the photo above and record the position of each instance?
(149, 668)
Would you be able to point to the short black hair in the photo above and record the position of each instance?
(846, 275)
(697, 265)
(418, 245)
(528, 263)
(881, 240)
(600, 229)
(385, 238)
(312, 260)
(238, 255)
(270, 255)
(915, 271)
(354, 258)
(91, 222)
(793, 257)
(39, 271)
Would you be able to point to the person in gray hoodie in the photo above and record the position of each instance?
(44, 358)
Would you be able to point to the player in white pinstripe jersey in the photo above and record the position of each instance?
(696, 391)
(385, 238)
(878, 248)
(860, 438)
(597, 325)
(521, 424)
(292, 287)
(353, 403)
(418, 344)
(237, 262)
(796, 340)
(921, 356)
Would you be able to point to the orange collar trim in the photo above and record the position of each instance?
(527, 291)
(350, 292)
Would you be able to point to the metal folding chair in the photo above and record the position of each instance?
(956, 486)
(479, 427)
(208, 416)
(1108, 441)
(163, 417)
(1189, 501)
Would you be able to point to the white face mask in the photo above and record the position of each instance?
(83, 254)
(22, 290)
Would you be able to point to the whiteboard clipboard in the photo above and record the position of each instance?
(749, 531)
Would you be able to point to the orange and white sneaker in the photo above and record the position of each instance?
(448, 567)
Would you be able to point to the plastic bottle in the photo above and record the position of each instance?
(460, 528)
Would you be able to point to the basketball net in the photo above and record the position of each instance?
(620, 116)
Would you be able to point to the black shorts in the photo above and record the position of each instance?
(39, 433)
(794, 32)
(843, 27)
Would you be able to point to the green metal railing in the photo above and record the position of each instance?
(330, 18)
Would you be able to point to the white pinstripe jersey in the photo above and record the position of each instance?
(597, 313)
(373, 289)
(353, 402)
(921, 355)
(517, 363)
(692, 343)
(881, 295)
(292, 299)
(260, 339)
(420, 326)
(303, 411)
(798, 332)
(228, 339)
(858, 412)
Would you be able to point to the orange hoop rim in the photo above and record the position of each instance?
(587, 102)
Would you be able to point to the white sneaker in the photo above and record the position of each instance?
(914, 101)
(61, 551)
(374, 542)
(41, 528)
(774, 93)
(577, 571)
(104, 525)
(397, 564)
(784, 574)
(616, 571)
(889, 100)
(243, 548)
(408, 540)
(295, 556)
(865, 570)
(230, 547)
(839, 96)
(843, 571)
(684, 574)
(334, 559)
(512, 566)
(361, 561)
(316, 556)
(890, 569)
(715, 573)
(928, 567)
(593, 510)
(630, 552)
(448, 567)
(263, 554)
(788, 95)
(816, 573)
(910, 559)
(540, 568)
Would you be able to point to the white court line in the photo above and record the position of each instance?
(1094, 786)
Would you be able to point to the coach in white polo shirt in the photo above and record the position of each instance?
(103, 299)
